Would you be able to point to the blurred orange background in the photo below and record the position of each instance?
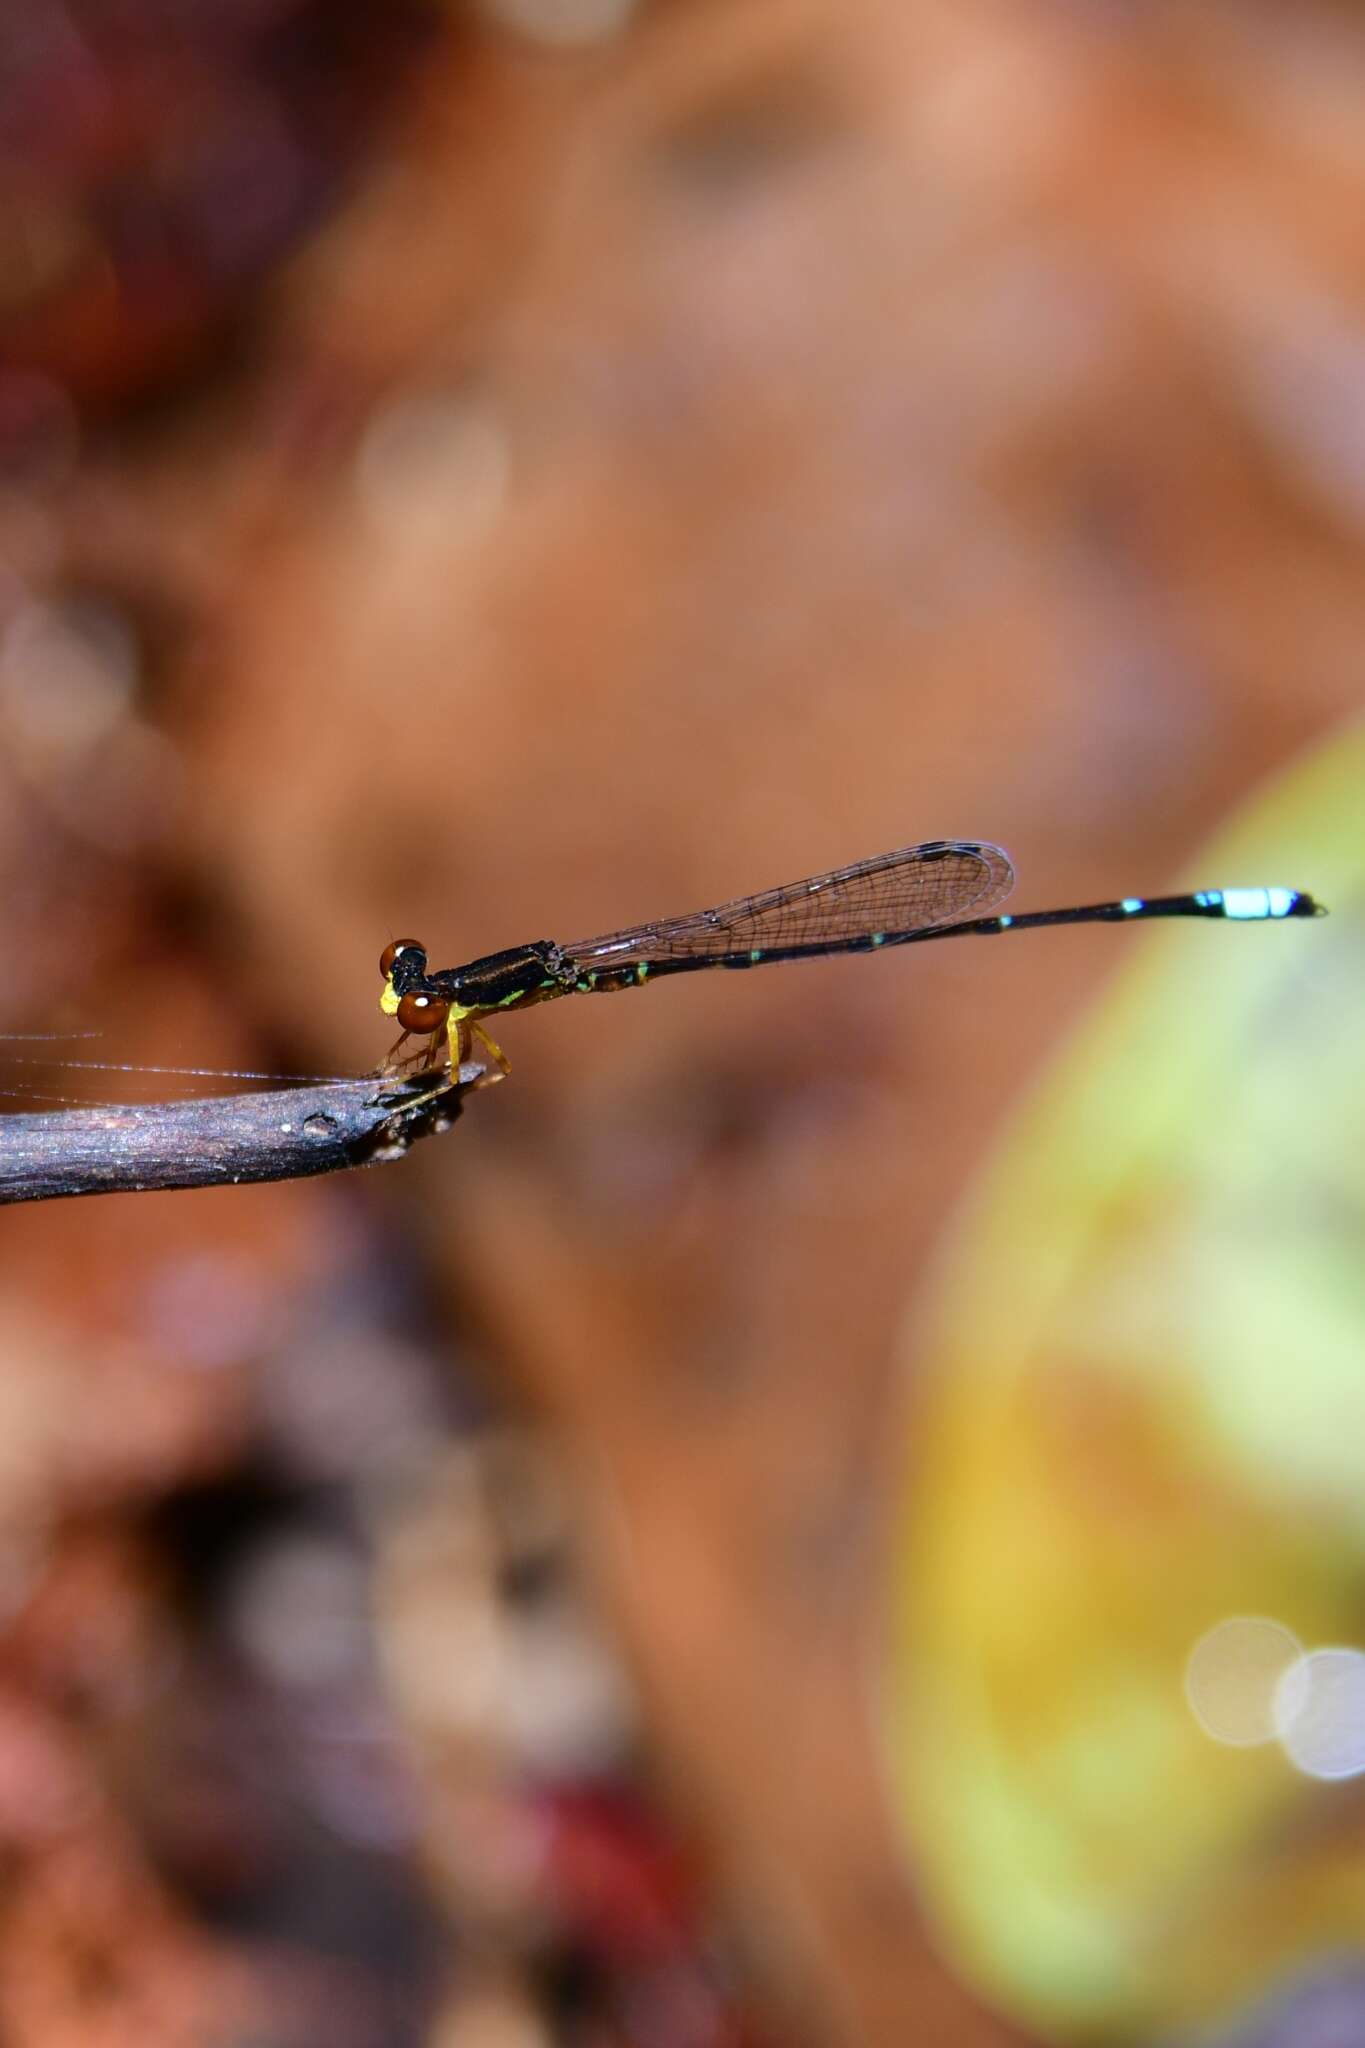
(497, 473)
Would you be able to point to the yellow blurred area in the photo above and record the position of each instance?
(1147, 1415)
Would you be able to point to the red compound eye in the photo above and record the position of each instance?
(391, 952)
(422, 1014)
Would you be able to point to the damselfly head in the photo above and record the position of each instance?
(421, 1014)
(414, 958)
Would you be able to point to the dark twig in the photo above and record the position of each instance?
(220, 1141)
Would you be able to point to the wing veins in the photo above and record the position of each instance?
(915, 888)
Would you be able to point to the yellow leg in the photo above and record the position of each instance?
(455, 1041)
(392, 1063)
(459, 1032)
(491, 1047)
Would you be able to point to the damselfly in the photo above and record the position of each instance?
(895, 899)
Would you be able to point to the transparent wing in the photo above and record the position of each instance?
(914, 889)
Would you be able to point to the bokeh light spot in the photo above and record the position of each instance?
(299, 1611)
(68, 673)
(434, 463)
(565, 23)
(1320, 1713)
(1232, 1674)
